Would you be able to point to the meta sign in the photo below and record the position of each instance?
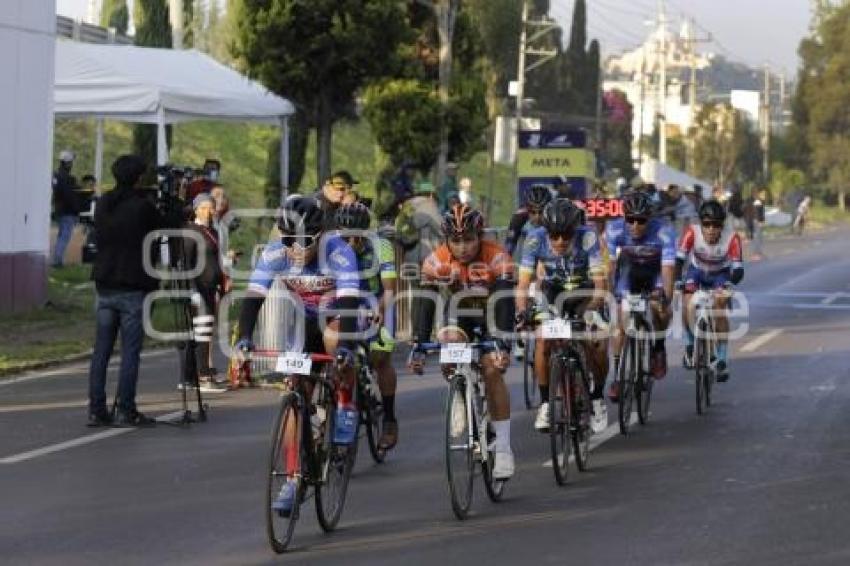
(544, 157)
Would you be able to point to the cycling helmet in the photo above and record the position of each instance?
(300, 215)
(462, 219)
(637, 203)
(538, 196)
(352, 217)
(712, 210)
(561, 216)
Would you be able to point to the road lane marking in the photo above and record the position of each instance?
(81, 441)
(81, 366)
(598, 439)
(831, 298)
(757, 343)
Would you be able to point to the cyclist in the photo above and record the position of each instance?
(320, 270)
(645, 264)
(569, 254)
(527, 218)
(468, 264)
(377, 276)
(716, 262)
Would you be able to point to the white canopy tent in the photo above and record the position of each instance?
(159, 86)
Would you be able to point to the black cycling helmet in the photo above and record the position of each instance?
(561, 216)
(461, 219)
(538, 196)
(300, 215)
(712, 210)
(637, 203)
(353, 216)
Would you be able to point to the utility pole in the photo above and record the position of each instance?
(642, 106)
(662, 85)
(692, 92)
(523, 67)
(766, 125)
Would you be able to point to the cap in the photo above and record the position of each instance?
(465, 183)
(346, 177)
(66, 155)
(201, 199)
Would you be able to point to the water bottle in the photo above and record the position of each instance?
(345, 427)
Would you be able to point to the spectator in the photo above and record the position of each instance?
(123, 219)
(333, 192)
(418, 225)
(210, 284)
(65, 205)
(449, 189)
(758, 221)
(402, 184)
(736, 209)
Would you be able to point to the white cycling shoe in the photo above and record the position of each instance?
(599, 422)
(503, 465)
(541, 423)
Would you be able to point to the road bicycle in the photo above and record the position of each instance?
(633, 376)
(469, 434)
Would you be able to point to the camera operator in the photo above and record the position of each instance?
(210, 284)
(124, 217)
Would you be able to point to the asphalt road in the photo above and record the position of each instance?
(761, 479)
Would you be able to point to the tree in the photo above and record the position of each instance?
(319, 54)
(114, 14)
(726, 147)
(153, 29)
(616, 143)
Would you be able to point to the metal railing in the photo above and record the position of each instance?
(88, 33)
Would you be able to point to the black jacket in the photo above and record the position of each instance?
(65, 201)
(122, 219)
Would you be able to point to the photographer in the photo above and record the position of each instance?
(124, 217)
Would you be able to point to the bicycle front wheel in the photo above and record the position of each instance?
(643, 389)
(559, 419)
(494, 488)
(581, 409)
(285, 463)
(372, 418)
(626, 378)
(530, 388)
(460, 447)
(335, 464)
(701, 368)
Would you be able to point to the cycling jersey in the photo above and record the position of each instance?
(640, 261)
(583, 260)
(492, 263)
(519, 226)
(725, 255)
(330, 275)
(376, 267)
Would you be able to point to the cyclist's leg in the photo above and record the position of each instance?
(330, 341)
(387, 380)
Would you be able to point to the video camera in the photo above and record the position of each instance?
(170, 192)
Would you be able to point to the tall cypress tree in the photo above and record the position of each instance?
(578, 31)
(114, 14)
(153, 29)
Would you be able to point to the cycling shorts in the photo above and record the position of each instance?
(696, 278)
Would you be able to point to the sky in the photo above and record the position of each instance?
(756, 32)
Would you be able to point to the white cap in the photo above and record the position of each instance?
(465, 183)
(66, 155)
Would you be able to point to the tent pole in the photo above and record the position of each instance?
(161, 140)
(284, 157)
(98, 153)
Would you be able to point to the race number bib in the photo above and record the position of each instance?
(557, 328)
(294, 363)
(636, 304)
(456, 354)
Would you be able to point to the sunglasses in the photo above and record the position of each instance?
(565, 236)
(300, 241)
(639, 220)
(712, 224)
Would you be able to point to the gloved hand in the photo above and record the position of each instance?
(521, 320)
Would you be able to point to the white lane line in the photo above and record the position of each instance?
(831, 298)
(757, 343)
(598, 439)
(81, 441)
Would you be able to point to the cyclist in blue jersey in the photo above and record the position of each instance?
(378, 277)
(527, 218)
(568, 253)
(320, 270)
(642, 259)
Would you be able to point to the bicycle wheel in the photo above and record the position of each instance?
(460, 464)
(371, 417)
(286, 459)
(494, 488)
(644, 383)
(626, 378)
(581, 408)
(700, 367)
(335, 464)
(710, 376)
(559, 419)
(532, 393)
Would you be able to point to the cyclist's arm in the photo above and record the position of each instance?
(736, 255)
(502, 267)
(389, 282)
(518, 220)
(686, 244)
(527, 269)
(343, 265)
(270, 263)
(668, 259)
(423, 306)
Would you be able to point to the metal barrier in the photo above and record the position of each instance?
(88, 33)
